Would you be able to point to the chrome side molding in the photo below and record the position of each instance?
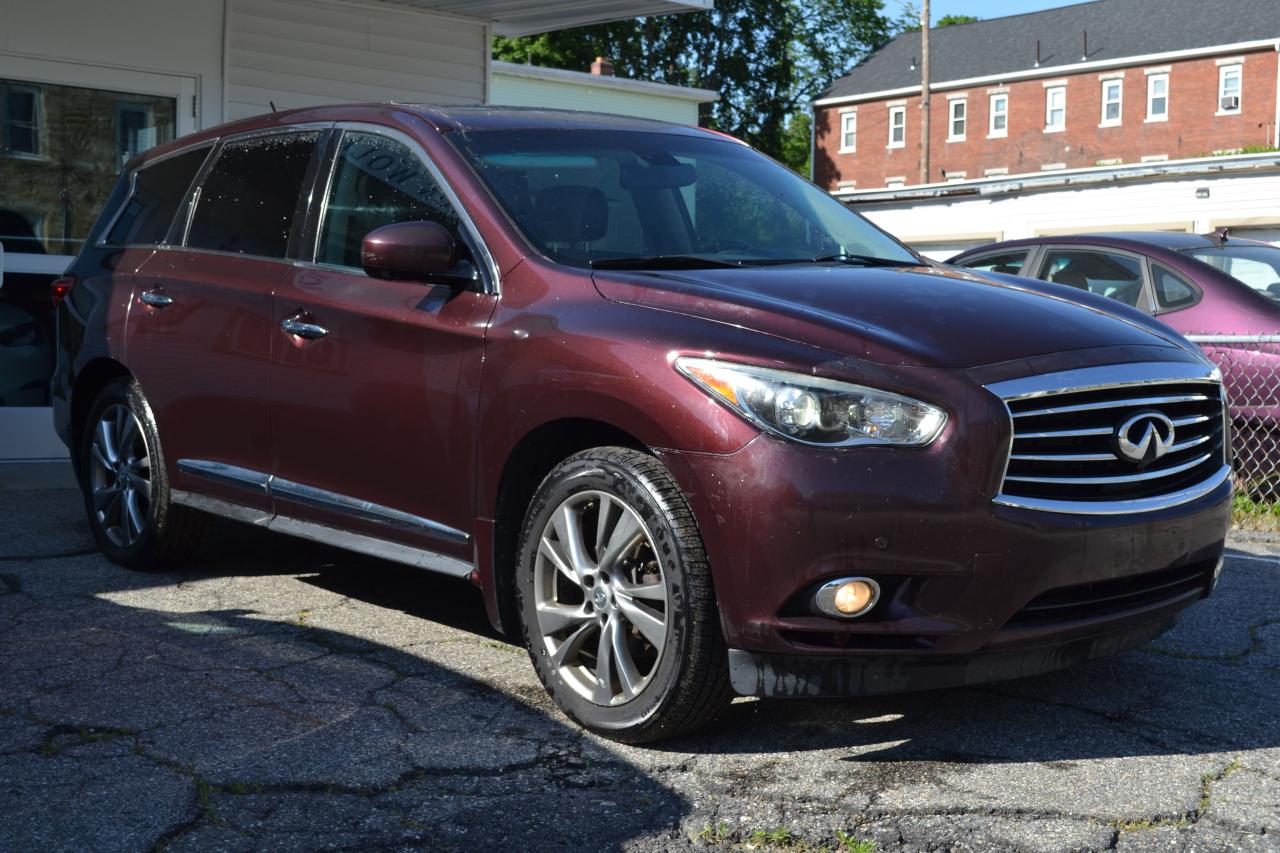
(394, 551)
(300, 493)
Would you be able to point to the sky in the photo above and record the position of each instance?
(983, 8)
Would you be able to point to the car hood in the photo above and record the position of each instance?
(935, 317)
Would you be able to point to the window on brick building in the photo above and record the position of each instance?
(1055, 108)
(848, 132)
(1229, 88)
(999, 116)
(1112, 92)
(897, 127)
(959, 109)
(1158, 97)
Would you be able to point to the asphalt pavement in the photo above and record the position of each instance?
(278, 695)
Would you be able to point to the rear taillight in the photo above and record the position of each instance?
(61, 287)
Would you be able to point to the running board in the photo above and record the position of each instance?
(357, 542)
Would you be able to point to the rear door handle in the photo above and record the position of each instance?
(156, 297)
(296, 326)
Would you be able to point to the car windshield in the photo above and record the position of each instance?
(630, 199)
(1256, 266)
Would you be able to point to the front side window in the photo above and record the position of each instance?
(158, 191)
(1158, 97)
(1112, 91)
(1229, 77)
(247, 201)
(897, 127)
(377, 181)
(1011, 263)
(848, 132)
(20, 114)
(1258, 267)
(1055, 108)
(630, 198)
(959, 110)
(999, 124)
(1107, 274)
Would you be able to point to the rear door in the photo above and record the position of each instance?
(374, 410)
(201, 331)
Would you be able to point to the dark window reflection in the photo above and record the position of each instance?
(26, 339)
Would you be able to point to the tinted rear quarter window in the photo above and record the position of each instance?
(158, 192)
(247, 201)
(1006, 262)
(1172, 290)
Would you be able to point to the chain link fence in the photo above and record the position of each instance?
(1251, 373)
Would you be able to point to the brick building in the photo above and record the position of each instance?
(1100, 84)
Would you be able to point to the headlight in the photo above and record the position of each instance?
(812, 410)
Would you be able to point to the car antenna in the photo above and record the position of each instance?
(272, 104)
(1223, 233)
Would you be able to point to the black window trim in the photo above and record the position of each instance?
(103, 242)
(488, 267)
(1148, 295)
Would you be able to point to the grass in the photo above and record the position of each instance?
(1252, 514)
(779, 838)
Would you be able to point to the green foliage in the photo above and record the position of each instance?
(797, 150)
(766, 58)
(952, 20)
(909, 20)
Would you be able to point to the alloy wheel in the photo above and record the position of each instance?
(120, 475)
(600, 597)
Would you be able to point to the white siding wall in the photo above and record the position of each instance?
(509, 90)
(302, 52)
(944, 227)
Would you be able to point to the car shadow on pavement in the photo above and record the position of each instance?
(273, 696)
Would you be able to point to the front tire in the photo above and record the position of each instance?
(616, 601)
(126, 492)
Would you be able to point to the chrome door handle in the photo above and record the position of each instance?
(303, 329)
(156, 298)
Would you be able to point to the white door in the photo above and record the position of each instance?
(65, 131)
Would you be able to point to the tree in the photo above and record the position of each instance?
(909, 20)
(766, 58)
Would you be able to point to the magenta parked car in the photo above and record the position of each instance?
(1213, 286)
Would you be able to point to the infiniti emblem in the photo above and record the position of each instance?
(1144, 438)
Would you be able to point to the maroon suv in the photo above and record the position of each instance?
(691, 425)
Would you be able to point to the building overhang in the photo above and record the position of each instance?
(524, 17)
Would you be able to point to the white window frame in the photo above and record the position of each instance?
(848, 129)
(897, 121)
(963, 103)
(1232, 69)
(1118, 84)
(994, 132)
(1049, 126)
(1152, 80)
(36, 124)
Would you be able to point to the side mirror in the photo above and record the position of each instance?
(415, 251)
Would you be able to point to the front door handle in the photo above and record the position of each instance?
(156, 297)
(295, 325)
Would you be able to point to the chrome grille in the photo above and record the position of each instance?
(1067, 453)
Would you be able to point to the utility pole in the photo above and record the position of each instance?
(925, 174)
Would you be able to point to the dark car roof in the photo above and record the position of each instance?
(1173, 241)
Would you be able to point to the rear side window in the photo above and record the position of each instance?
(1107, 274)
(247, 201)
(1011, 263)
(158, 192)
(1172, 290)
(377, 181)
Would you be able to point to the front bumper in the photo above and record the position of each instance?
(977, 588)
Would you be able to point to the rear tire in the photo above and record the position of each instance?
(619, 612)
(126, 491)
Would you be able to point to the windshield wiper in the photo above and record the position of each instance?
(864, 260)
(662, 262)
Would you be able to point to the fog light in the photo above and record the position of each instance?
(847, 597)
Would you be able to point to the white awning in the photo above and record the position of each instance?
(523, 17)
